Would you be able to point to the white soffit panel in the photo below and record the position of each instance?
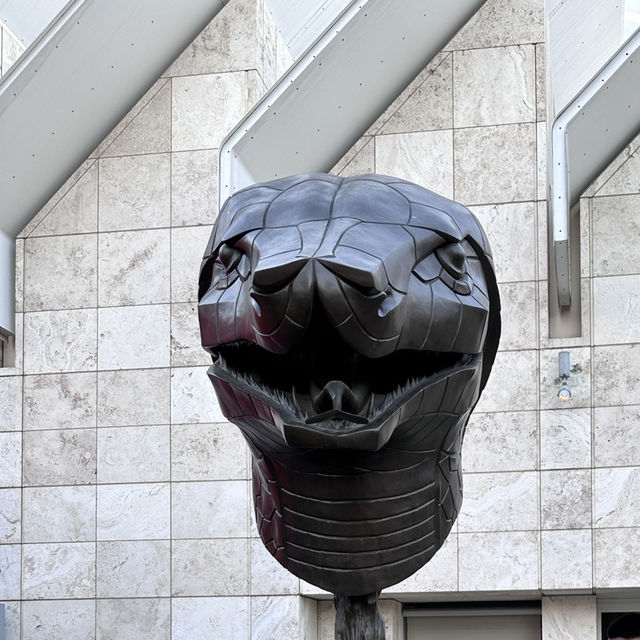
(586, 137)
(583, 35)
(71, 87)
(336, 90)
(27, 19)
(300, 23)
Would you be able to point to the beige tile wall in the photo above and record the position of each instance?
(125, 507)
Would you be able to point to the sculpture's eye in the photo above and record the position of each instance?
(230, 263)
(229, 257)
(454, 262)
(452, 258)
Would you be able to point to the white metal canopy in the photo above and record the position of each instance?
(586, 137)
(69, 89)
(337, 89)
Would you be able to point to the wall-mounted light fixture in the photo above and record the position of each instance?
(564, 367)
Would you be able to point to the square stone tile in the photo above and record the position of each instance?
(543, 240)
(623, 175)
(439, 574)
(361, 161)
(149, 131)
(134, 337)
(208, 452)
(565, 439)
(616, 557)
(502, 22)
(129, 117)
(232, 42)
(509, 71)
(77, 210)
(566, 499)
(59, 514)
(133, 568)
(423, 157)
(60, 401)
(617, 436)
(610, 256)
(194, 187)
(60, 272)
(60, 457)
(196, 509)
(57, 341)
(10, 515)
(275, 617)
(134, 267)
(10, 571)
(503, 561)
(133, 454)
(11, 403)
(519, 315)
(210, 567)
(186, 348)
(566, 559)
(187, 248)
(192, 397)
(268, 576)
(616, 375)
(571, 617)
(426, 104)
(12, 616)
(59, 570)
(12, 49)
(18, 292)
(511, 229)
(11, 456)
(136, 397)
(207, 618)
(499, 502)
(503, 441)
(195, 98)
(616, 501)
(579, 380)
(616, 305)
(505, 171)
(59, 620)
(541, 157)
(512, 385)
(358, 146)
(134, 619)
(133, 511)
(541, 83)
(134, 192)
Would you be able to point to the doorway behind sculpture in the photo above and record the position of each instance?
(489, 625)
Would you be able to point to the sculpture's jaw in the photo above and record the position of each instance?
(333, 397)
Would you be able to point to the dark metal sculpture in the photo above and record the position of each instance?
(353, 324)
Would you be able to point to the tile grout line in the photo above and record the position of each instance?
(170, 395)
(97, 395)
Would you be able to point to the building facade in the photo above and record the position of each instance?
(125, 507)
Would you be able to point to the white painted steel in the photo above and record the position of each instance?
(585, 138)
(27, 19)
(337, 89)
(72, 86)
(7, 289)
(583, 35)
(301, 23)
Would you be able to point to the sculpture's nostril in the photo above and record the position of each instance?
(336, 395)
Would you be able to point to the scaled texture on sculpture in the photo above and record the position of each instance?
(352, 324)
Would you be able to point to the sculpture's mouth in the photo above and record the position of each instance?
(327, 390)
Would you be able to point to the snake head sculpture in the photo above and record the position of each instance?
(352, 324)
